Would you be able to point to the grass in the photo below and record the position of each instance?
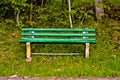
(103, 62)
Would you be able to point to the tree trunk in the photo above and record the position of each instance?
(42, 3)
(31, 9)
(70, 18)
(17, 17)
(99, 9)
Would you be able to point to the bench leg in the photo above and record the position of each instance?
(28, 52)
(87, 45)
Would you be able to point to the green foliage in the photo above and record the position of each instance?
(12, 6)
(115, 2)
(81, 2)
(57, 13)
(82, 10)
(53, 12)
(9, 23)
(18, 5)
(112, 9)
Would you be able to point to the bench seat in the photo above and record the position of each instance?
(59, 40)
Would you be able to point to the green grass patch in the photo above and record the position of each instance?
(103, 62)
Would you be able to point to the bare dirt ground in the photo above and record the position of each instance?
(54, 78)
(16, 77)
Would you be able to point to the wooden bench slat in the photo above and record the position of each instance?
(56, 34)
(59, 40)
(58, 29)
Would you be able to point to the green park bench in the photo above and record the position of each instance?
(57, 35)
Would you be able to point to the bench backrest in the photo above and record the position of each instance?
(58, 35)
